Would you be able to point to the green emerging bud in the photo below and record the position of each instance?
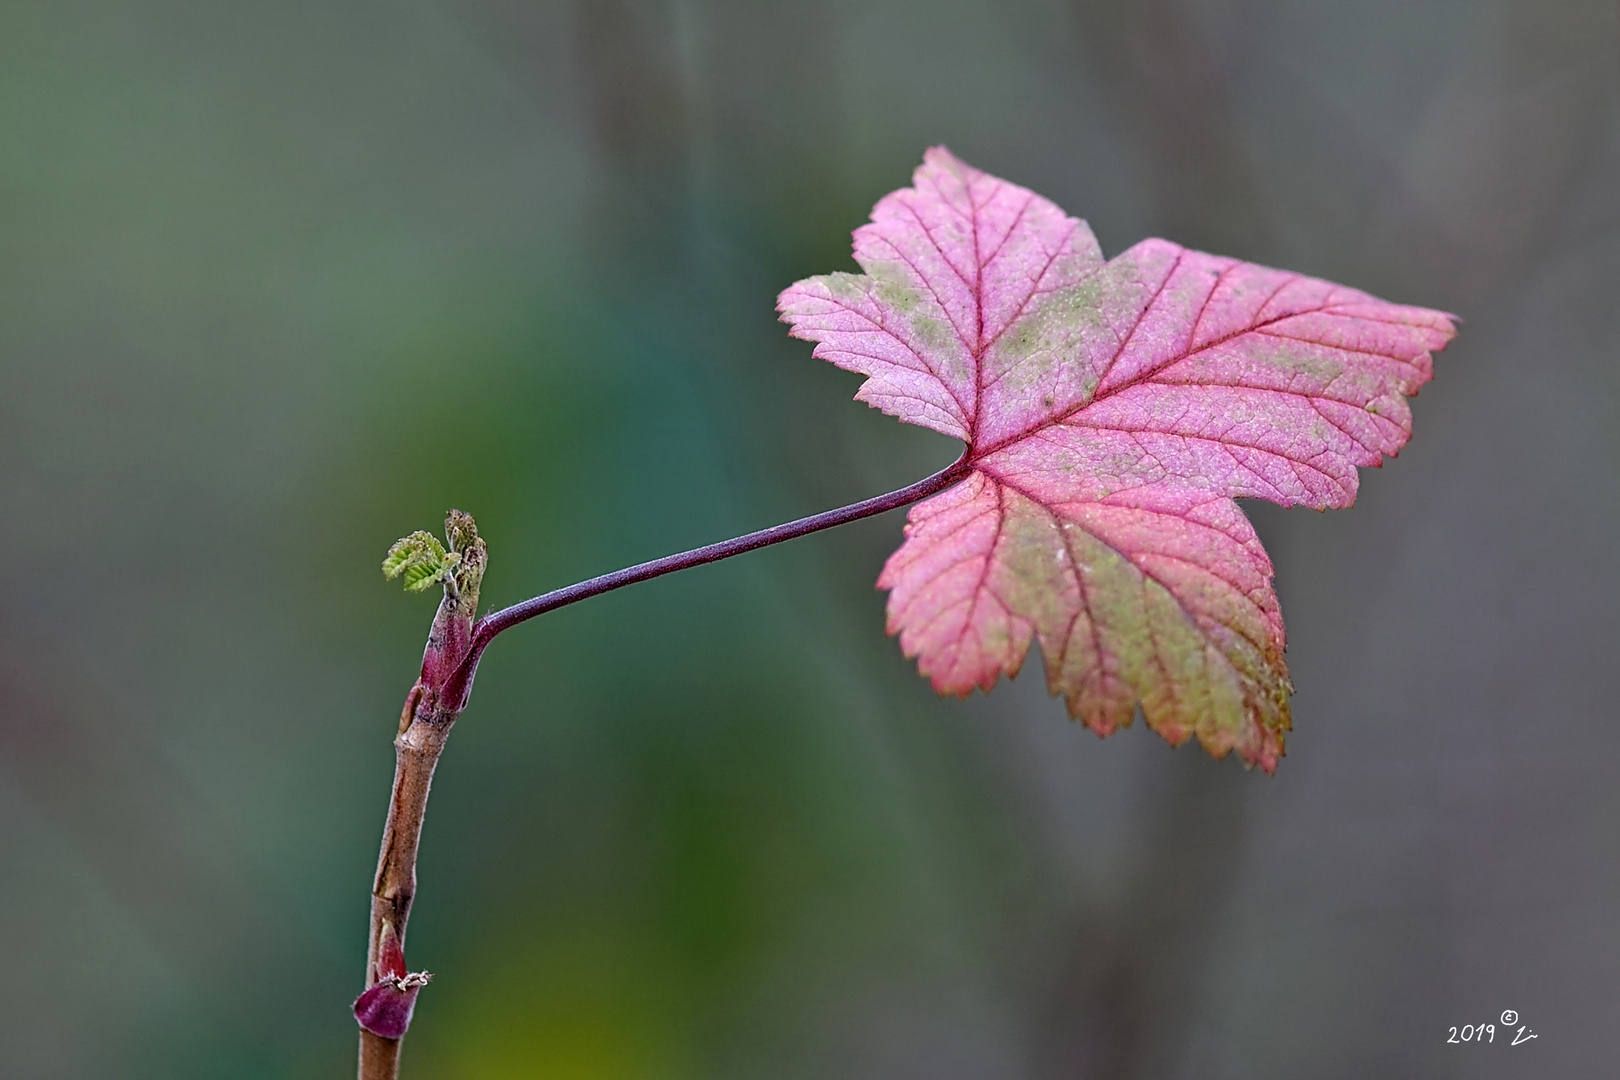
(422, 560)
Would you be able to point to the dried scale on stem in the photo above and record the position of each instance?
(450, 661)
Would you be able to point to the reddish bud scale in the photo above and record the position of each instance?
(385, 1009)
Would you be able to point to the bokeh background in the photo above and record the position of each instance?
(282, 282)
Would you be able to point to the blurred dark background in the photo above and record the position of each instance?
(280, 283)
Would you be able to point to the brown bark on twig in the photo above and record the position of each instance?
(379, 1057)
(426, 726)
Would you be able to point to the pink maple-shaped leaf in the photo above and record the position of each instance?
(1112, 411)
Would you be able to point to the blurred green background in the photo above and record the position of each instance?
(282, 282)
